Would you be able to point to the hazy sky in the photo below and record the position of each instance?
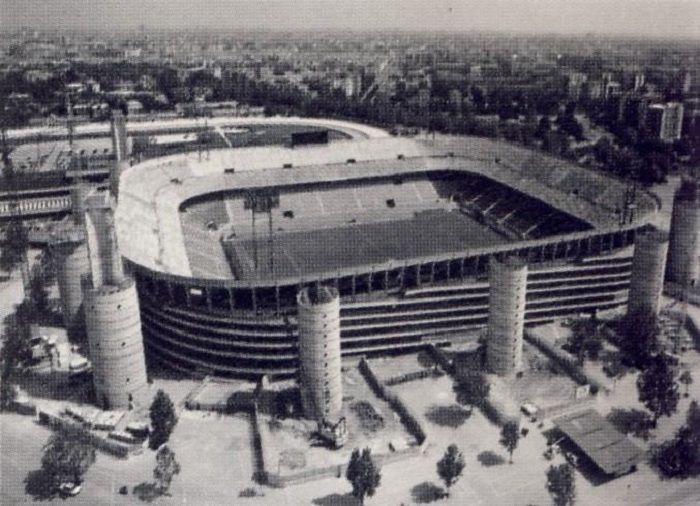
(658, 18)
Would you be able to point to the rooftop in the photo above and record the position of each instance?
(610, 450)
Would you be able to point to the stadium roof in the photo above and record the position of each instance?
(151, 192)
(610, 450)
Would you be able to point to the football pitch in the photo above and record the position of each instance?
(306, 253)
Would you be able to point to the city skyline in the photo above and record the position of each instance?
(654, 19)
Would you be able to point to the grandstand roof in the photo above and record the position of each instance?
(151, 192)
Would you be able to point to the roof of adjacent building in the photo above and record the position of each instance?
(610, 450)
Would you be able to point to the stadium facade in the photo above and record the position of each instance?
(220, 243)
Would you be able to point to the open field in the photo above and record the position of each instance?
(427, 233)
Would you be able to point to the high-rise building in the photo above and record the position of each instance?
(665, 121)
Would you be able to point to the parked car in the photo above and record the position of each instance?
(69, 489)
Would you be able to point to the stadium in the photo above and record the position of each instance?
(220, 242)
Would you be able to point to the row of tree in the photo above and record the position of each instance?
(365, 475)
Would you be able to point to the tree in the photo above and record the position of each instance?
(450, 466)
(67, 456)
(692, 418)
(561, 484)
(639, 340)
(14, 250)
(510, 434)
(166, 468)
(687, 379)
(680, 457)
(163, 419)
(543, 127)
(472, 389)
(8, 392)
(38, 293)
(585, 339)
(657, 387)
(363, 474)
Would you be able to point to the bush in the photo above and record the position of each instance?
(248, 492)
(370, 420)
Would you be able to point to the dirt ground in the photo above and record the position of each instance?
(541, 383)
(290, 445)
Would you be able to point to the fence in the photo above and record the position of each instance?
(565, 361)
(413, 376)
(410, 422)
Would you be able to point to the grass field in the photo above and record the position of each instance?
(308, 252)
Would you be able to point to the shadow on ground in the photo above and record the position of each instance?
(39, 485)
(447, 416)
(337, 500)
(427, 492)
(146, 492)
(488, 459)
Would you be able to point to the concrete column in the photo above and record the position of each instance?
(72, 263)
(231, 300)
(113, 324)
(120, 147)
(320, 382)
(171, 294)
(508, 286)
(648, 267)
(684, 246)
(105, 260)
(78, 194)
(277, 299)
(207, 295)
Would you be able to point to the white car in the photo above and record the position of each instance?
(529, 409)
(68, 488)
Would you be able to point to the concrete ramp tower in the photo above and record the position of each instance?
(70, 250)
(648, 267)
(684, 247)
(508, 285)
(112, 318)
(72, 264)
(120, 148)
(320, 381)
